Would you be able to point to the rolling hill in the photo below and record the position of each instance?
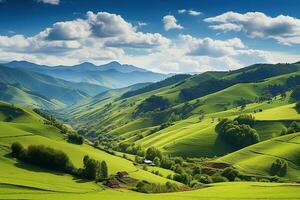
(41, 89)
(21, 180)
(186, 134)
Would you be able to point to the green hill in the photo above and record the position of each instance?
(257, 159)
(36, 86)
(26, 127)
(186, 135)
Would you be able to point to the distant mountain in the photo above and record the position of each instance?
(30, 88)
(111, 75)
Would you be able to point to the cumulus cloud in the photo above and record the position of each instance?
(210, 47)
(69, 30)
(102, 37)
(170, 22)
(105, 24)
(53, 2)
(284, 29)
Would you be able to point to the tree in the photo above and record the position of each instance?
(152, 103)
(152, 152)
(156, 161)
(298, 107)
(230, 173)
(296, 93)
(104, 170)
(246, 119)
(75, 139)
(90, 167)
(278, 167)
(17, 149)
(238, 135)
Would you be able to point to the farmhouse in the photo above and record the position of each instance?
(149, 162)
(122, 174)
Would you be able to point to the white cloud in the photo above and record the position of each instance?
(170, 22)
(102, 37)
(105, 24)
(194, 12)
(140, 24)
(69, 30)
(182, 11)
(210, 47)
(284, 29)
(53, 2)
(190, 12)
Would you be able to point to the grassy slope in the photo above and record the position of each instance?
(257, 159)
(28, 128)
(190, 137)
(221, 191)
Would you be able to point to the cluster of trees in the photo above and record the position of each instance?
(93, 169)
(238, 132)
(278, 167)
(51, 120)
(294, 127)
(146, 187)
(52, 159)
(296, 94)
(75, 139)
(153, 103)
(298, 107)
(43, 156)
(157, 85)
(292, 83)
(204, 88)
(246, 119)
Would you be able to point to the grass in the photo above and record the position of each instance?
(257, 159)
(33, 131)
(221, 191)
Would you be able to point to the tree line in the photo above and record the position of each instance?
(56, 160)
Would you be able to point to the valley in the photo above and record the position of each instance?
(207, 136)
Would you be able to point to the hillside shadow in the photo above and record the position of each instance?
(221, 148)
(80, 180)
(33, 168)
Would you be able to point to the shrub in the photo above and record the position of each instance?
(197, 170)
(152, 152)
(152, 103)
(230, 173)
(146, 187)
(298, 107)
(17, 150)
(183, 178)
(293, 128)
(75, 139)
(246, 119)
(42, 156)
(156, 161)
(218, 178)
(296, 93)
(203, 178)
(278, 167)
(49, 158)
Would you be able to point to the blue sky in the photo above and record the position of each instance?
(164, 36)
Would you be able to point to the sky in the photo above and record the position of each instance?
(167, 36)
